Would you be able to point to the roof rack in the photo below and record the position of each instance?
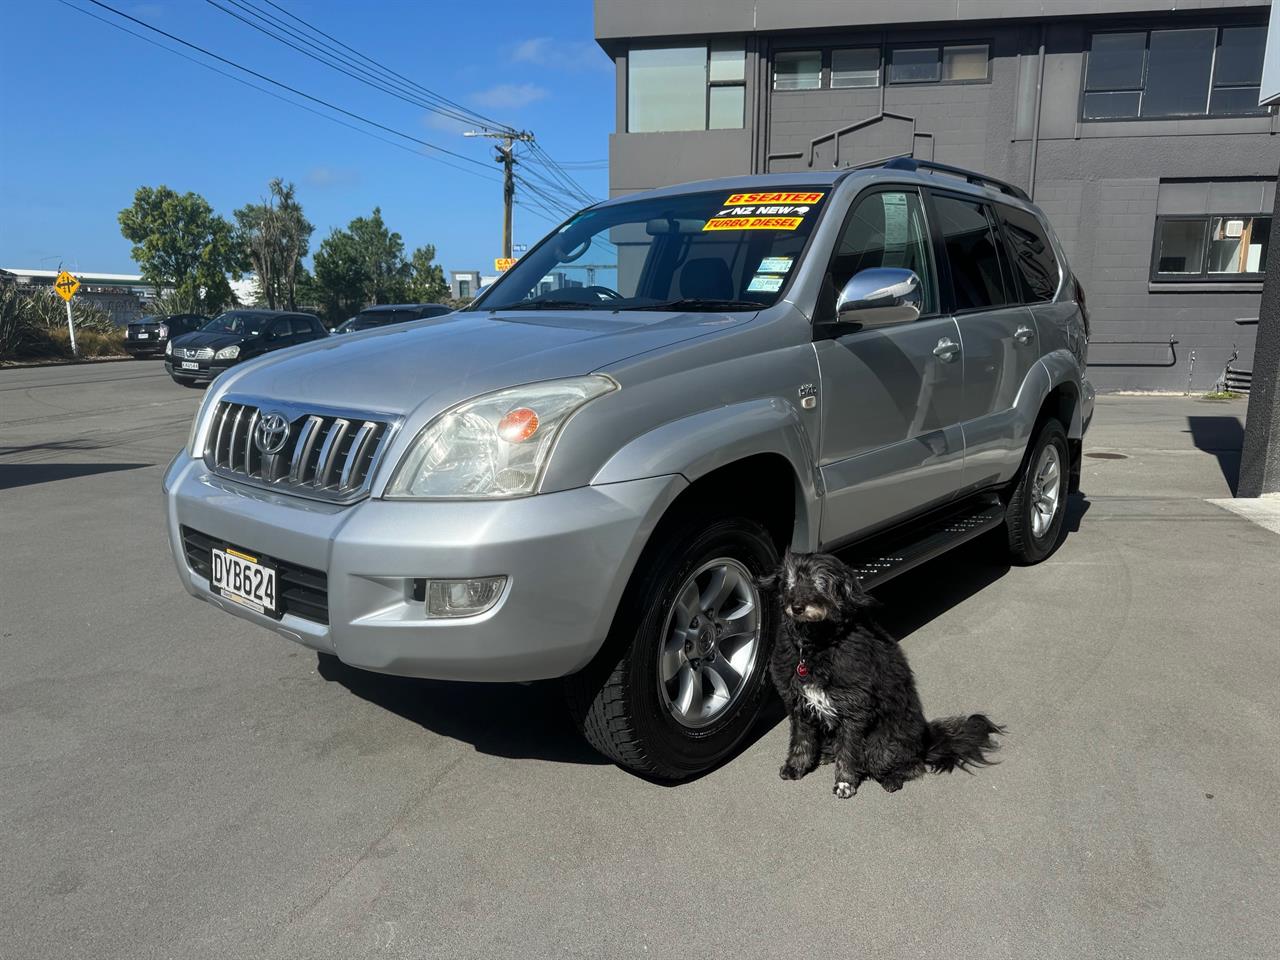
(912, 164)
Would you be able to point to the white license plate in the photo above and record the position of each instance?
(240, 577)
(144, 336)
(188, 365)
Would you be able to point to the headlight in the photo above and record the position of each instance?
(168, 349)
(227, 353)
(493, 446)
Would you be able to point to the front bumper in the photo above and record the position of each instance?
(567, 555)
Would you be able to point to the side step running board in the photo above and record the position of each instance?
(881, 558)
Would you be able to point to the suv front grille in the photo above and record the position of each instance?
(191, 353)
(325, 455)
(303, 592)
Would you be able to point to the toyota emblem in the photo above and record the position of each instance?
(271, 433)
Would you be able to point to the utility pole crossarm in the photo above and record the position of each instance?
(505, 156)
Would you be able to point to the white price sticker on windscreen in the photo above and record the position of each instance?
(895, 228)
(762, 283)
(775, 265)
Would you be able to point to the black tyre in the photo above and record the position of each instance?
(1038, 502)
(684, 675)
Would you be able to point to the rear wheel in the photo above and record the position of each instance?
(1038, 504)
(685, 673)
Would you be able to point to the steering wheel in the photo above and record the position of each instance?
(605, 293)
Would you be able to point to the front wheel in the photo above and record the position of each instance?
(1033, 520)
(684, 675)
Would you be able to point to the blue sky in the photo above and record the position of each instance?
(88, 114)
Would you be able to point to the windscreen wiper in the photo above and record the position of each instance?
(696, 303)
(550, 305)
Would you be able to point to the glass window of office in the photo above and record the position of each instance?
(700, 87)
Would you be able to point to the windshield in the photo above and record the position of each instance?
(244, 324)
(380, 318)
(715, 250)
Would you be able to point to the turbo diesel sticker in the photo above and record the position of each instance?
(763, 211)
(753, 223)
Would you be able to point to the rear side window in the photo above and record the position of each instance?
(1031, 253)
(972, 252)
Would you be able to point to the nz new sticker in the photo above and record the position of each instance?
(763, 211)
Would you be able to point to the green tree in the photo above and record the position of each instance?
(426, 278)
(340, 276)
(275, 236)
(381, 252)
(179, 241)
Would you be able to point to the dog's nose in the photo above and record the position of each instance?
(797, 609)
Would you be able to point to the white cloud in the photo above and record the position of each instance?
(561, 54)
(323, 176)
(508, 96)
(438, 121)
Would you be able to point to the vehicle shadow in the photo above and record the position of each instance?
(532, 721)
(517, 721)
(27, 474)
(1224, 438)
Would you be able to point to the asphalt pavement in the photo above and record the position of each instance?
(177, 783)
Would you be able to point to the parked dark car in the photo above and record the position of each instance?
(147, 337)
(385, 314)
(196, 358)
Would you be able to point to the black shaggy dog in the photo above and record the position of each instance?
(849, 690)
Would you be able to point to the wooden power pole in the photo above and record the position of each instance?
(505, 155)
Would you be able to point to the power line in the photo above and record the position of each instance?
(285, 86)
(537, 210)
(384, 69)
(358, 73)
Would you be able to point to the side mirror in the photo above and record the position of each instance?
(879, 297)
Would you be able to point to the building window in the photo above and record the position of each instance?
(686, 88)
(1201, 71)
(797, 70)
(1216, 248)
(855, 68)
(464, 289)
(957, 63)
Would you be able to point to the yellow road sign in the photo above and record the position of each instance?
(66, 285)
(503, 264)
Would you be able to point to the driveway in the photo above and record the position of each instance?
(176, 783)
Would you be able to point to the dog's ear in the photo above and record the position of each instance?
(851, 593)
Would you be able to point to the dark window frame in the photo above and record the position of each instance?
(824, 69)
(707, 84)
(941, 46)
(1204, 276)
(1147, 30)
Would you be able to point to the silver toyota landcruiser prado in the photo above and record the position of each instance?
(582, 474)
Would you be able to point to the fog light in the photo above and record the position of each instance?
(463, 598)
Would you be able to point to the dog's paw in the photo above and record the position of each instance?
(844, 790)
(789, 771)
(891, 786)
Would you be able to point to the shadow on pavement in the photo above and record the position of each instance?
(532, 721)
(1224, 438)
(26, 474)
(512, 720)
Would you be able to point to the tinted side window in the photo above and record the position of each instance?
(302, 328)
(279, 330)
(1031, 252)
(972, 252)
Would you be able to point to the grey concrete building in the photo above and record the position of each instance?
(1133, 123)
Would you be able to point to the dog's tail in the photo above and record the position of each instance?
(958, 743)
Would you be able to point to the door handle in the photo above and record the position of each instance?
(1024, 334)
(946, 349)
